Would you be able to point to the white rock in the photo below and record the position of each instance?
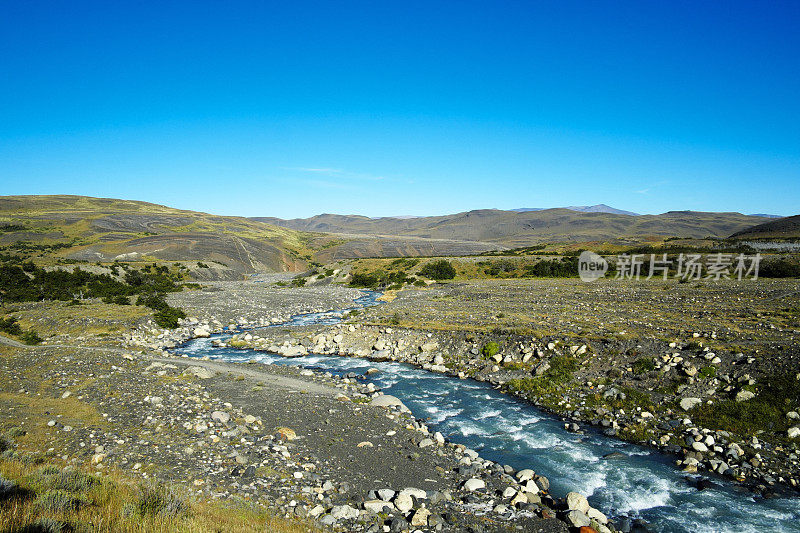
(376, 506)
(744, 395)
(525, 474)
(577, 502)
(474, 484)
(415, 492)
(690, 403)
(404, 503)
(220, 416)
(344, 512)
(387, 400)
(593, 513)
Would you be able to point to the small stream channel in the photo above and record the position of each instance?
(638, 483)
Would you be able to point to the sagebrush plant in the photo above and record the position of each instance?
(158, 500)
(60, 501)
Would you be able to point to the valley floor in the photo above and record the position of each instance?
(301, 450)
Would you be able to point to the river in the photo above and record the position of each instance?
(638, 483)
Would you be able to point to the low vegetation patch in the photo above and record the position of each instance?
(643, 365)
(52, 499)
(778, 395)
(555, 378)
(490, 349)
(438, 270)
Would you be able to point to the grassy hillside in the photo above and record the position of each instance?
(80, 228)
(515, 229)
(72, 228)
(782, 228)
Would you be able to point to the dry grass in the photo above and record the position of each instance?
(92, 318)
(113, 503)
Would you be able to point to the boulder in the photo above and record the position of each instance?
(286, 433)
(474, 484)
(387, 400)
(420, 518)
(200, 372)
(578, 519)
(690, 403)
(525, 474)
(404, 502)
(578, 502)
(419, 494)
(344, 512)
(377, 506)
(220, 416)
(744, 395)
(386, 494)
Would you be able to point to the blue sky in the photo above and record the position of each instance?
(391, 108)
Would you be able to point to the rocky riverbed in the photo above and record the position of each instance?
(641, 384)
(337, 453)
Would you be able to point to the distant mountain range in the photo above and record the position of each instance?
(526, 227)
(599, 208)
(106, 229)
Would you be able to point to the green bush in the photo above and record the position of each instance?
(780, 268)
(778, 395)
(553, 268)
(707, 372)
(490, 349)
(643, 365)
(168, 318)
(365, 280)
(438, 270)
(52, 478)
(9, 325)
(59, 501)
(27, 282)
(46, 525)
(553, 379)
(157, 500)
(31, 338)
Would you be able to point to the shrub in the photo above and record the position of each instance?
(554, 378)
(490, 349)
(643, 365)
(553, 268)
(767, 411)
(438, 270)
(7, 488)
(168, 318)
(31, 338)
(364, 280)
(59, 501)
(157, 500)
(708, 372)
(50, 477)
(780, 268)
(9, 325)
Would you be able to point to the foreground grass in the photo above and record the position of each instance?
(43, 497)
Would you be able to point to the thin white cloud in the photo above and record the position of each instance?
(316, 170)
(338, 173)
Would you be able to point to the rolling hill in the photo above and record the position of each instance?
(82, 228)
(526, 228)
(105, 229)
(782, 228)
